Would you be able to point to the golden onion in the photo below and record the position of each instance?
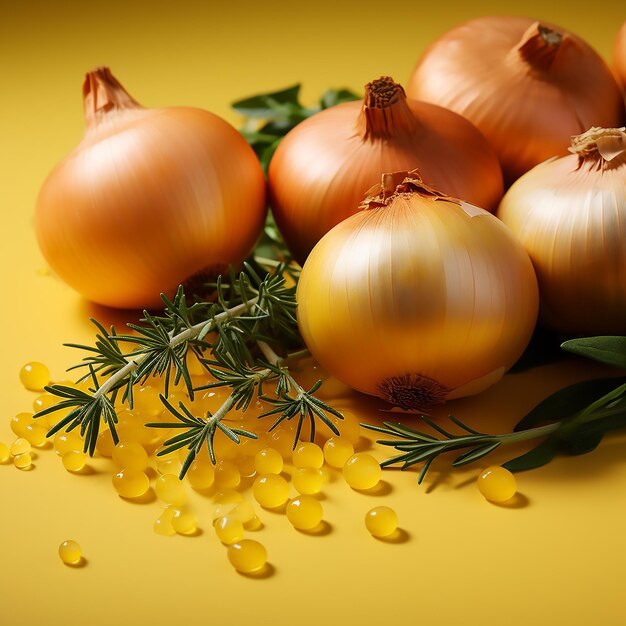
(570, 215)
(148, 199)
(418, 298)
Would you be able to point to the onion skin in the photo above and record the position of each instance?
(570, 216)
(527, 86)
(148, 199)
(322, 169)
(619, 55)
(418, 298)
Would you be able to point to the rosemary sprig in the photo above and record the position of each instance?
(572, 420)
(250, 313)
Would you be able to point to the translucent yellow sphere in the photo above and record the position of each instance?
(70, 552)
(163, 524)
(131, 483)
(307, 480)
(105, 444)
(5, 453)
(362, 471)
(227, 474)
(308, 454)
(36, 434)
(74, 461)
(337, 450)
(130, 455)
(45, 401)
(184, 522)
(497, 484)
(20, 446)
(20, 422)
(170, 489)
(23, 461)
(201, 474)
(305, 512)
(229, 529)
(243, 511)
(65, 442)
(268, 461)
(247, 556)
(270, 490)
(381, 521)
(35, 376)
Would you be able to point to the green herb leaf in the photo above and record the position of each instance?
(610, 350)
(265, 105)
(540, 455)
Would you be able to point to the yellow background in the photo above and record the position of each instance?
(558, 555)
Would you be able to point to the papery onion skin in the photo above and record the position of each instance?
(148, 199)
(322, 169)
(418, 300)
(527, 95)
(570, 216)
(619, 55)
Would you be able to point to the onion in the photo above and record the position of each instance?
(418, 298)
(148, 199)
(570, 215)
(527, 86)
(324, 166)
(619, 55)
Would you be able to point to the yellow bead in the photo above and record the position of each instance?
(5, 454)
(268, 461)
(130, 456)
(163, 524)
(45, 401)
(362, 471)
(35, 376)
(246, 465)
(68, 442)
(228, 496)
(74, 461)
(348, 426)
(20, 422)
(105, 444)
(229, 529)
(497, 484)
(381, 521)
(170, 489)
(226, 474)
(337, 450)
(131, 483)
(23, 461)
(305, 512)
(147, 403)
(168, 465)
(244, 512)
(308, 455)
(36, 434)
(184, 522)
(201, 474)
(70, 552)
(307, 480)
(20, 446)
(270, 490)
(282, 439)
(247, 556)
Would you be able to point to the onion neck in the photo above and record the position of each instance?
(385, 111)
(599, 144)
(397, 183)
(539, 46)
(103, 94)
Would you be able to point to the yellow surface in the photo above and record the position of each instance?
(557, 556)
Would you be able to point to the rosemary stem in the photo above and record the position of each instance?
(223, 410)
(531, 433)
(186, 335)
(269, 353)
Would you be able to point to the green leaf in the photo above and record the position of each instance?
(268, 153)
(540, 455)
(265, 105)
(581, 442)
(610, 350)
(333, 97)
(568, 401)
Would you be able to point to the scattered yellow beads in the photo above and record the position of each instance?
(270, 490)
(20, 446)
(362, 471)
(497, 484)
(281, 439)
(130, 456)
(268, 461)
(170, 490)
(305, 512)
(35, 376)
(5, 454)
(201, 475)
(36, 434)
(20, 422)
(131, 483)
(45, 401)
(229, 529)
(247, 556)
(307, 480)
(337, 450)
(308, 454)
(163, 524)
(244, 512)
(68, 442)
(23, 461)
(184, 522)
(74, 461)
(226, 474)
(381, 521)
(70, 552)
(105, 444)
(147, 402)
